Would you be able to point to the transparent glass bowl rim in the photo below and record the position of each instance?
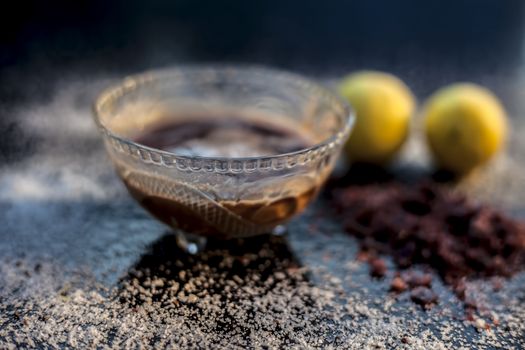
(133, 82)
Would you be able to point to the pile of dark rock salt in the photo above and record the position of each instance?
(430, 225)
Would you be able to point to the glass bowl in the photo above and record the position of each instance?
(222, 197)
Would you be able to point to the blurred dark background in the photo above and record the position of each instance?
(318, 36)
(427, 43)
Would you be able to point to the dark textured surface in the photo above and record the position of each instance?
(60, 202)
(67, 225)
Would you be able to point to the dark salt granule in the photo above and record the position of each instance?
(377, 267)
(398, 285)
(427, 224)
(417, 279)
(423, 296)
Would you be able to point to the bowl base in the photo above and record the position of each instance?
(194, 244)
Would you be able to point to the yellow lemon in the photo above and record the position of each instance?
(384, 106)
(465, 126)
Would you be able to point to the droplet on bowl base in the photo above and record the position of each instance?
(191, 244)
(279, 230)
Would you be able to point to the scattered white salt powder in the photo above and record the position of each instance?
(41, 307)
